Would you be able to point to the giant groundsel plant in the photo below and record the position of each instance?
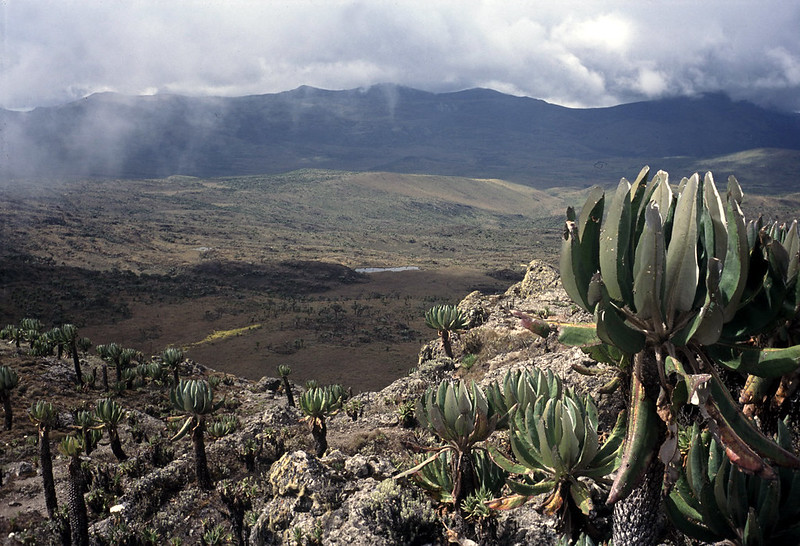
(676, 288)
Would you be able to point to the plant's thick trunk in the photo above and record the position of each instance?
(288, 389)
(637, 517)
(116, 445)
(464, 485)
(77, 362)
(200, 461)
(320, 434)
(8, 410)
(78, 519)
(46, 460)
(87, 441)
(105, 377)
(446, 345)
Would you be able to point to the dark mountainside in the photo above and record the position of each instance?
(476, 133)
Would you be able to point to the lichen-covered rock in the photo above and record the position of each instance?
(372, 466)
(300, 483)
(476, 307)
(541, 281)
(383, 513)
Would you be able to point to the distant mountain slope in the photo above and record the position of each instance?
(476, 133)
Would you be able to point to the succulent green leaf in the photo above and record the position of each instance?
(531, 490)
(715, 221)
(615, 236)
(763, 362)
(581, 496)
(611, 328)
(737, 260)
(648, 269)
(682, 269)
(187, 425)
(745, 429)
(706, 326)
(687, 520)
(578, 335)
(505, 463)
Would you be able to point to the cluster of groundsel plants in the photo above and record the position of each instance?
(714, 501)
(553, 433)
(461, 416)
(676, 288)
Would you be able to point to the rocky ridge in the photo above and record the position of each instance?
(346, 497)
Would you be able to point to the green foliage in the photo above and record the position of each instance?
(172, 357)
(284, 370)
(468, 361)
(436, 477)
(318, 404)
(12, 333)
(31, 329)
(195, 397)
(553, 433)
(354, 409)
(770, 318)
(446, 318)
(407, 413)
(714, 501)
(43, 414)
(672, 283)
(461, 416)
(71, 446)
(8, 379)
(83, 344)
(458, 414)
(322, 402)
(109, 412)
(521, 387)
(86, 423)
(216, 535)
(223, 426)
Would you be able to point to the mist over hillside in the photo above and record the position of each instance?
(475, 133)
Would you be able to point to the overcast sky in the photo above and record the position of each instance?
(580, 54)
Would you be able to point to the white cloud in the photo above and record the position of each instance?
(573, 53)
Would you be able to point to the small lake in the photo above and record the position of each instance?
(383, 269)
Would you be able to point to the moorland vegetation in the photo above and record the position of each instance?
(679, 305)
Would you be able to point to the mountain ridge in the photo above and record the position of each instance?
(479, 133)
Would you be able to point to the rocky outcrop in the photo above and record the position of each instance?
(350, 496)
